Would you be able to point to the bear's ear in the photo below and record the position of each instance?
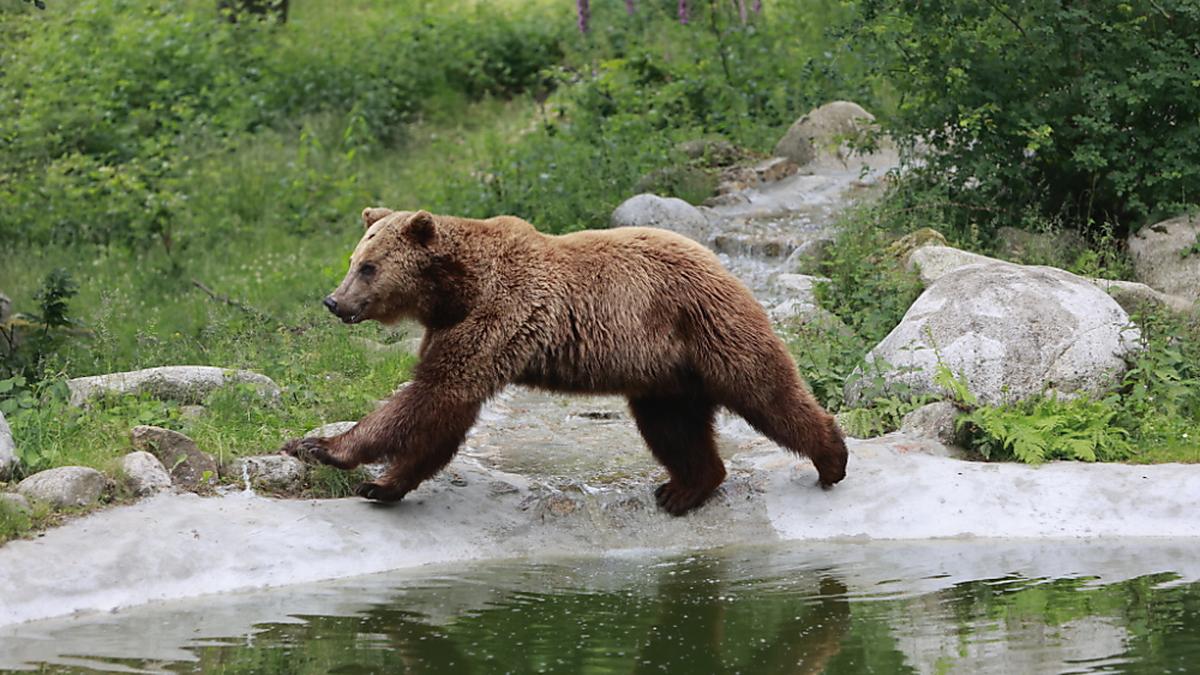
(373, 214)
(420, 228)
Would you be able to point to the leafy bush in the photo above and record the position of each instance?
(1049, 428)
(1083, 110)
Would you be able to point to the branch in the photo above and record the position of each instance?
(256, 313)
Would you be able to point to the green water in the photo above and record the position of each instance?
(732, 611)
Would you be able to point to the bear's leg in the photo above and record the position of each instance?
(428, 431)
(679, 431)
(786, 413)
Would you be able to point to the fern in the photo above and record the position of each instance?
(1048, 428)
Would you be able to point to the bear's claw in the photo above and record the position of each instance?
(678, 501)
(309, 451)
(379, 493)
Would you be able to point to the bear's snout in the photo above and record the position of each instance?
(346, 314)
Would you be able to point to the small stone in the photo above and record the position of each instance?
(903, 247)
(271, 472)
(65, 486)
(145, 473)
(935, 420)
(501, 487)
(5, 308)
(14, 502)
(711, 151)
(8, 449)
(332, 429)
(808, 257)
(191, 413)
(190, 468)
(560, 505)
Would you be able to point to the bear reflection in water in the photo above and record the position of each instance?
(638, 312)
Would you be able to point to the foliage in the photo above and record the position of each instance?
(644, 85)
(1086, 111)
(103, 141)
(29, 339)
(1049, 428)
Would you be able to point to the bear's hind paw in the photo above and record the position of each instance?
(377, 492)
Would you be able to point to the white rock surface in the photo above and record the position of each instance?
(8, 449)
(64, 486)
(145, 473)
(185, 384)
(1013, 332)
(271, 472)
(1133, 296)
(1158, 260)
(894, 491)
(668, 213)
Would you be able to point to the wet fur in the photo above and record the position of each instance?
(642, 313)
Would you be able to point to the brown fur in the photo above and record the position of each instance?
(638, 312)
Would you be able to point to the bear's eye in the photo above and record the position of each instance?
(366, 270)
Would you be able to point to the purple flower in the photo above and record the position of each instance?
(584, 15)
(683, 12)
(629, 7)
(757, 6)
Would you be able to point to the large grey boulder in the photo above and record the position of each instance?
(1165, 256)
(1012, 331)
(668, 213)
(271, 472)
(185, 384)
(145, 473)
(65, 486)
(189, 467)
(8, 449)
(822, 132)
(934, 262)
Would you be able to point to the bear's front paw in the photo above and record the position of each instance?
(379, 492)
(309, 451)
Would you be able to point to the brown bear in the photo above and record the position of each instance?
(643, 313)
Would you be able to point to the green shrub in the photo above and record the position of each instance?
(1088, 111)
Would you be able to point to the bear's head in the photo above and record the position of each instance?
(389, 277)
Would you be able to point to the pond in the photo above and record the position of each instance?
(833, 608)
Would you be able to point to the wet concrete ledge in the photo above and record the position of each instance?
(179, 546)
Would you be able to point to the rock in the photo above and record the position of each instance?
(737, 179)
(1039, 248)
(1134, 297)
(903, 247)
(1013, 331)
(935, 420)
(683, 181)
(822, 132)
(668, 213)
(8, 449)
(5, 308)
(185, 384)
(331, 429)
(65, 486)
(11, 501)
(934, 262)
(271, 472)
(807, 257)
(191, 413)
(1166, 256)
(189, 467)
(711, 151)
(145, 473)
